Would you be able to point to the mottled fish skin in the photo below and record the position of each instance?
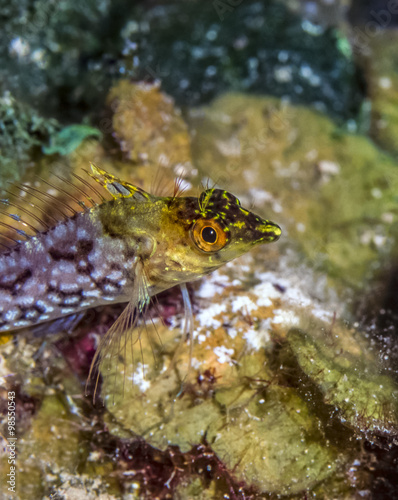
(123, 250)
(71, 267)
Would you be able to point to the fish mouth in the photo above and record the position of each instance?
(270, 231)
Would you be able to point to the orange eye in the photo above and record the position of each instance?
(208, 235)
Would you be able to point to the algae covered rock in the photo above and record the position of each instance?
(377, 56)
(47, 449)
(365, 399)
(194, 489)
(261, 431)
(273, 443)
(147, 125)
(251, 401)
(23, 132)
(334, 192)
(270, 442)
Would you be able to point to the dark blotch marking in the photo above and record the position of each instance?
(40, 309)
(62, 294)
(106, 281)
(16, 285)
(58, 255)
(130, 251)
(86, 270)
(84, 247)
(73, 293)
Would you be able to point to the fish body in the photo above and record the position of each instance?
(125, 249)
(70, 267)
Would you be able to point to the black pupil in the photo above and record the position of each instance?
(209, 235)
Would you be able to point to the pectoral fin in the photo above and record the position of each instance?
(122, 335)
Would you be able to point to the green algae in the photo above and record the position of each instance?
(26, 134)
(351, 382)
(69, 139)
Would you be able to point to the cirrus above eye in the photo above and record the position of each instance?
(208, 235)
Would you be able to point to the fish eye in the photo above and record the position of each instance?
(208, 235)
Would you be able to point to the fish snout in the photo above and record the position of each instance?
(269, 231)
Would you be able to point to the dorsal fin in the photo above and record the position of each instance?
(116, 187)
(35, 207)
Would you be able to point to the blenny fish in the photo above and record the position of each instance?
(124, 249)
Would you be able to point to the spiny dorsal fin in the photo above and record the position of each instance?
(116, 187)
(31, 208)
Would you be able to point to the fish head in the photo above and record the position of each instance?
(207, 232)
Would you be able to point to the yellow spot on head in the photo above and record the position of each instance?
(239, 224)
(271, 228)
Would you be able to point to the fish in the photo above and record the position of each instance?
(126, 247)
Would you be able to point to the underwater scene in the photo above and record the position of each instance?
(199, 249)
